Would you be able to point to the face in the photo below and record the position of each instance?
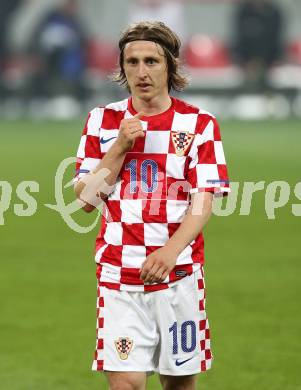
(146, 70)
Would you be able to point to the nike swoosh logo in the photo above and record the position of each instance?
(180, 362)
(104, 141)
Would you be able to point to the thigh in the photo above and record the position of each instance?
(187, 382)
(184, 329)
(126, 332)
(126, 380)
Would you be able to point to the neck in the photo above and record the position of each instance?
(153, 106)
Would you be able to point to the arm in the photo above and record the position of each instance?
(96, 186)
(160, 263)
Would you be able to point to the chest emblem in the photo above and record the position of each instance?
(181, 141)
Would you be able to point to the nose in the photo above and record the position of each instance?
(141, 71)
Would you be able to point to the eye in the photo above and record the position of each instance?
(131, 61)
(151, 61)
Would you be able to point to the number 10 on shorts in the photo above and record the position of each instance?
(187, 333)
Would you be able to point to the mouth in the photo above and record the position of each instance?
(143, 85)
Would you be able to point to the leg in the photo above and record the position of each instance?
(184, 333)
(126, 380)
(126, 339)
(187, 382)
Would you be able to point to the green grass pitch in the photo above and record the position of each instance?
(47, 281)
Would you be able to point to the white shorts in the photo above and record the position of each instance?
(165, 331)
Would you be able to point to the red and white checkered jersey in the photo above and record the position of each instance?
(181, 153)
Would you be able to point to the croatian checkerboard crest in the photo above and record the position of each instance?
(123, 346)
(181, 141)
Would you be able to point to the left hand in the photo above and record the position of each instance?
(158, 265)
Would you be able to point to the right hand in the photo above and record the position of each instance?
(129, 130)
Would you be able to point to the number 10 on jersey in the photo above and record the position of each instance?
(147, 171)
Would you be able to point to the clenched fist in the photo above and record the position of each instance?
(129, 130)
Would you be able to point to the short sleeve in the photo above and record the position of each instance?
(207, 169)
(88, 153)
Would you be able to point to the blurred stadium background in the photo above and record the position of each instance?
(54, 69)
(56, 65)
